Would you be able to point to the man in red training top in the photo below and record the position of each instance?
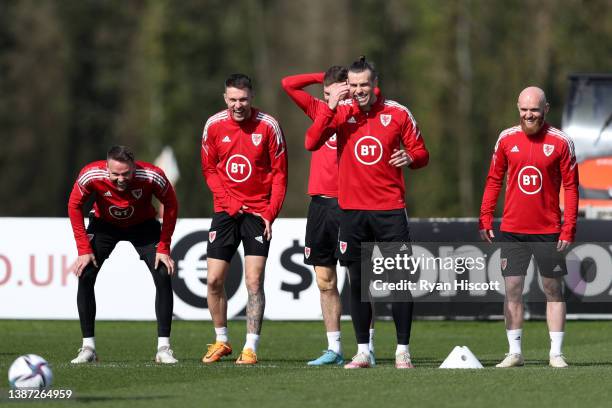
(123, 189)
(244, 161)
(537, 159)
(371, 187)
(323, 220)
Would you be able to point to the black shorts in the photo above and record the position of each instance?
(357, 226)
(517, 249)
(227, 232)
(104, 236)
(322, 226)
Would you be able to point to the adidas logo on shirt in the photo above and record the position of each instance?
(226, 139)
(108, 194)
(514, 149)
(259, 239)
(404, 247)
(351, 120)
(557, 269)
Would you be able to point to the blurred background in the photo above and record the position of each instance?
(79, 76)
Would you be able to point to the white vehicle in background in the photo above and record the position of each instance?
(587, 119)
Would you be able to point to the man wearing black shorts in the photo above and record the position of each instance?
(244, 161)
(323, 220)
(535, 159)
(371, 131)
(123, 189)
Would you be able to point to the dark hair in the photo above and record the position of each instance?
(362, 65)
(334, 74)
(120, 153)
(239, 81)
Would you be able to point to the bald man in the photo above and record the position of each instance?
(537, 159)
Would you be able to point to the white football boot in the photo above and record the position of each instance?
(86, 355)
(558, 361)
(165, 356)
(360, 360)
(512, 360)
(402, 360)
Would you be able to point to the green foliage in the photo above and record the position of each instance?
(77, 76)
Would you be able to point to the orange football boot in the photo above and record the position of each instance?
(247, 357)
(216, 351)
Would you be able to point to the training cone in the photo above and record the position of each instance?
(461, 357)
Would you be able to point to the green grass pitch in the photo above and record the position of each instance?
(127, 377)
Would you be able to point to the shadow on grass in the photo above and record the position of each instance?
(572, 364)
(87, 399)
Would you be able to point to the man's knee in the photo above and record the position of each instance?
(254, 283)
(161, 276)
(552, 289)
(215, 278)
(326, 279)
(514, 296)
(254, 272)
(215, 283)
(514, 288)
(89, 275)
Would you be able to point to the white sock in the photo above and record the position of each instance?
(89, 342)
(221, 333)
(401, 348)
(514, 340)
(333, 342)
(252, 340)
(163, 342)
(556, 341)
(363, 348)
(371, 344)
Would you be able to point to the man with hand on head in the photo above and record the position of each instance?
(370, 133)
(323, 220)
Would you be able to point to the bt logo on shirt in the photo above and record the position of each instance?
(530, 180)
(368, 150)
(121, 213)
(331, 142)
(238, 168)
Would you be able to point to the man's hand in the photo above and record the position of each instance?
(400, 158)
(267, 229)
(244, 207)
(166, 260)
(487, 235)
(562, 245)
(82, 261)
(337, 92)
(232, 206)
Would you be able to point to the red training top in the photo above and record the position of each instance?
(366, 141)
(536, 166)
(122, 208)
(323, 178)
(245, 163)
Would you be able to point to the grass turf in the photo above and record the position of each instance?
(126, 375)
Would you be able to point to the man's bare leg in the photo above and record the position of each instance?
(555, 318)
(254, 276)
(514, 316)
(217, 299)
